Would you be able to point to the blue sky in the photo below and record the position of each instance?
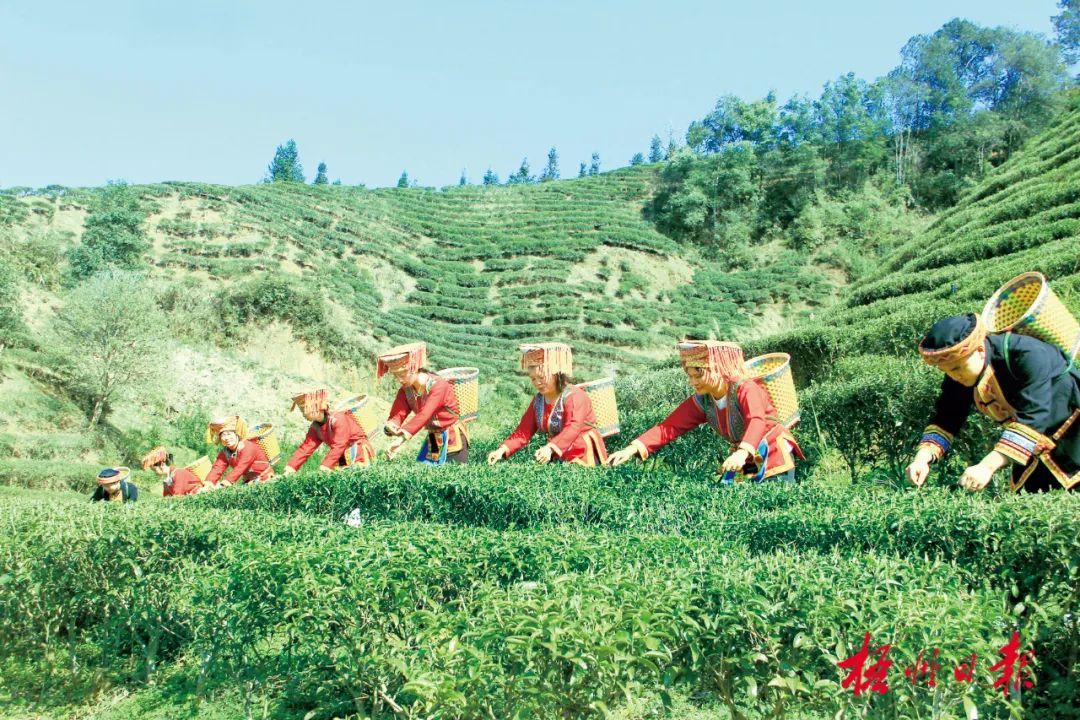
(205, 90)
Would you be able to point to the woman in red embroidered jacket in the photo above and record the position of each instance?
(738, 409)
(247, 460)
(431, 401)
(346, 440)
(561, 410)
(175, 481)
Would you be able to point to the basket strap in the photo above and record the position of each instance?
(1005, 352)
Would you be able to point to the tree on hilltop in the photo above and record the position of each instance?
(594, 166)
(656, 150)
(403, 181)
(320, 175)
(583, 170)
(491, 178)
(551, 172)
(522, 176)
(285, 167)
(637, 159)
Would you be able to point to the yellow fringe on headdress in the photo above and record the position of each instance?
(155, 457)
(230, 422)
(960, 350)
(412, 356)
(311, 402)
(553, 357)
(718, 359)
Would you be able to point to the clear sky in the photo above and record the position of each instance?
(149, 91)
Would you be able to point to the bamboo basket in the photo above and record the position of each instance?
(363, 410)
(200, 468)
(602, 396)
(773, 371)
(264, 436)
(466, 383)
(1026, 305)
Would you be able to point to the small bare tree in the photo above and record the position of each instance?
(109, 338)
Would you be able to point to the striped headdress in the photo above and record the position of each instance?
(157, 456)
(412, 356)
(719, 360)
(230, 422)
(952, 339)
(552, 357)
(312, 402)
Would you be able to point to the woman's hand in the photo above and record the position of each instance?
(618, 458)
(543, 455)
(496, 455)
(289, 470)
(735, 461)
(919, 469)
(976, 477)
(394, 447)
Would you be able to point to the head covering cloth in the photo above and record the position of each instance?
(952, 339)
(312, 402)
(552, 358)
(719, 360)
(157, 456)
(411, 356)
(111, 475)
(230, 422)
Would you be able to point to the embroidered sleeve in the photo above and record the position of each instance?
(523, 432)
(399, 410)
(436, 400)
(754, 403)
(685, 417)
(575, 409)
(220, 463)
(307, 447)
(937, 440)
(1019, 442)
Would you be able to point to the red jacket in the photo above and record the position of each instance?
(435, 410)
(181, 481)
(569, 423)
(745, 417)
(248, 463)
(340, 432)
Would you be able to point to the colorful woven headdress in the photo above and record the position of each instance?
(108, 476)
(412, 356)
(719, 360)
(230, 422)
(311, 402)
(553, 358)
(156, 456)
(952, 339)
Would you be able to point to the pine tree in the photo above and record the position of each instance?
(490, 178)
(672, 144)
(638, 159)
(594, 166)
(285, 167)
(320, 175)
(551, 172)
(463, 180)
(522, 176)
(656, 151)
(403, 181)
(583, 170)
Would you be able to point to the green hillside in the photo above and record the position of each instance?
(1024, 216)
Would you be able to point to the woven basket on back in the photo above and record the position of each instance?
(200, 468)
(265, 437)
(1026, 305)
(602, 396)
(466, 383)
(773, 371)
(363, 410)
